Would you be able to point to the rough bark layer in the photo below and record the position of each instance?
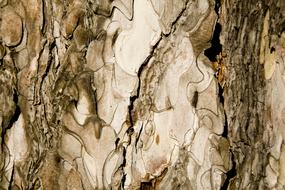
(253, 47)
(142, 94)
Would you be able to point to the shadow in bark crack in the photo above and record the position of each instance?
(217, 6)
(17, 112)
(146, 186)
(212, 54)
(230, 175)
(216, 46)
(133, 98)
(221, 96)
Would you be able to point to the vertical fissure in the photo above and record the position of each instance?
(136, 95)
(230, 174)
(215, 55)
(216, 46)
(146, 61)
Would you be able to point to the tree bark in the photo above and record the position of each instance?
(253, 43)
(142, 94)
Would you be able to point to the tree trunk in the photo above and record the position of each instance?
(142, 94)
(253, 37)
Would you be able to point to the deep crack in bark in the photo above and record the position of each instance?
(212, 53)
(230, 174)
(145, 62)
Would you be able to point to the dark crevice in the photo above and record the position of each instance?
(222, 101)
(12, 120)
(216, 46)
(138, 137)
(10, 187)
(123, 180)
(217, 6)
(15, 116)
(134, 97)
(144, 64)
(117, 142)
(226, 130)
(195, 99)
(146, 186)
(212, 54)
(230, 174)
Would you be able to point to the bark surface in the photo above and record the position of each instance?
(142, 94)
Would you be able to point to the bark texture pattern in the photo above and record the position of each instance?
(253, 48)
(140, 94)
